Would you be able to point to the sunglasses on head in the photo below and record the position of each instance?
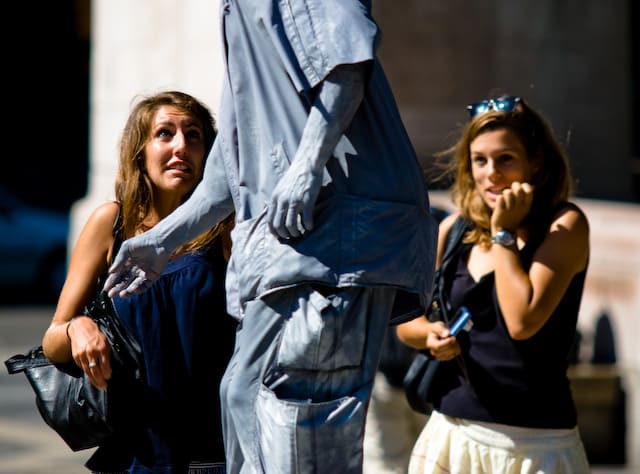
(501, 104)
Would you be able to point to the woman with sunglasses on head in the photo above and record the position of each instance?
(181, 324)
(506, 405)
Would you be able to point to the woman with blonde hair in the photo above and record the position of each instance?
(504, 402)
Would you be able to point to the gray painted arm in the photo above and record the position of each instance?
(290, 212)
(142, 258)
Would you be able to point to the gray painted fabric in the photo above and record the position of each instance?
(295, 394)
(372, 221)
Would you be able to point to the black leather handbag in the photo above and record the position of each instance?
(83, 415)
(420, 380)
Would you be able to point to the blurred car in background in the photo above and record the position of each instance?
(33, 251)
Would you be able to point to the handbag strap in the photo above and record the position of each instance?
(454, 237)
(117, 232)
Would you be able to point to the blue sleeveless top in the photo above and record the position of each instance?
(520, 383)
(187, 338)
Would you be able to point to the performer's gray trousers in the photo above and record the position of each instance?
(297, 388)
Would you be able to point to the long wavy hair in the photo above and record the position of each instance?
(551, 179)
(133, 188)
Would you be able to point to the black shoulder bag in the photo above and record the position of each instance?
(83, 415)
(419, 380)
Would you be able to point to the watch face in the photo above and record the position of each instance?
(504, 238)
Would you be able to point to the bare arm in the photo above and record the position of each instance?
(290, 212)
(527, 299)
(81, 339)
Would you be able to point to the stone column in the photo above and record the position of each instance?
(143, 47)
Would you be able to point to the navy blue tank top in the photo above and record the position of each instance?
(518, 383)
(187, 338)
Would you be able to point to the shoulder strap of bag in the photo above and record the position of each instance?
(454, 237)
(117, 232)
(440, 305)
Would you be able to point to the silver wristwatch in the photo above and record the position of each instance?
(505, 238)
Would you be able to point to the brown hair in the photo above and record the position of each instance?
(552, 179)
(133, 188)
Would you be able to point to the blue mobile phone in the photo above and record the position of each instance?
(463, 321)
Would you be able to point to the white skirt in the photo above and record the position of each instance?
(454, 445)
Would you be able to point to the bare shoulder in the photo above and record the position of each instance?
(572, 219)
(99, 225)
(108, 209)
(567, 239)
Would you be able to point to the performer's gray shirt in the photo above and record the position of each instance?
(372, 221)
